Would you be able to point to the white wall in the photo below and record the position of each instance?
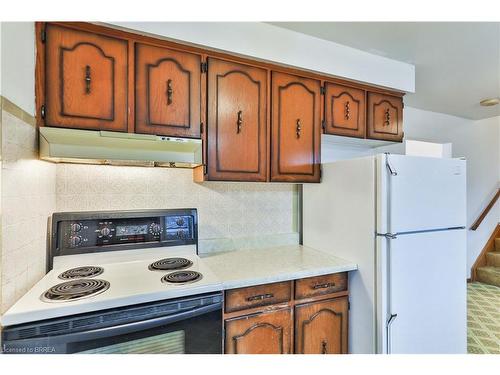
(269, 42)
(18, 64)
(477, 141)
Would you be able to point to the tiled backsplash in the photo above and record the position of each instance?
(28, 198)
(226, 210)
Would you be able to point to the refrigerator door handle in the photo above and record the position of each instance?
(389, 323)
(389, 236)
(392, 171)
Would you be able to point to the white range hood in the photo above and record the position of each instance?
(104, 147)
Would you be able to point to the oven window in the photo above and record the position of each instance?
(168, 343)
(200, 334)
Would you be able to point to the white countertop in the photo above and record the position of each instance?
(241, 268)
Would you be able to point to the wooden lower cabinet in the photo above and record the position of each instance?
(261, 333)
(283, 322)
(321, 327)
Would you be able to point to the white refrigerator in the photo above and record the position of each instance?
(402, 220)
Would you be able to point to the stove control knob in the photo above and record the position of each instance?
(75, 227)
(180, 222)
(155, 229)
(105, 231)
(75, 241)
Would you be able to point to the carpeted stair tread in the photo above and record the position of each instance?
(497, 244)
(489, 275)
(493, 258)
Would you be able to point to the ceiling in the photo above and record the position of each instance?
(457, 63)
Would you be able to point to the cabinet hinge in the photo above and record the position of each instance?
(323, 125)
(322, 90)
(348, 305)
(42, 112)
(201, 128)
(402, 104)
(43, 35)
(204, 67)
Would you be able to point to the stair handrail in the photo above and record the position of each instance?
(485, 212)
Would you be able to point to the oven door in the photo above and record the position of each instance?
(190, 330)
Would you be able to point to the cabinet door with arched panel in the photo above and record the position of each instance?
(85, 80)
(296, 128)
(321, 327)
(261, 333)
(167, 91)
(237, 121)
(344, 110)
(385, 117)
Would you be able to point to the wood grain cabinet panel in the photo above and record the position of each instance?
(167, 91)
(296, 128)
(237, 122)
(263, 333)
(384, 117)
(344, 110)
(85, 80)
(259, 295)
(321, 327)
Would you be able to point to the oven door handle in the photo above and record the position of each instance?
(133, 326)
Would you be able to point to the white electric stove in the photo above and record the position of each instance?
(119, 273)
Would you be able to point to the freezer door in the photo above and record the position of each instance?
(427, 293)
(424, 193)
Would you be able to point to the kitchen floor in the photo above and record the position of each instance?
(483, 318)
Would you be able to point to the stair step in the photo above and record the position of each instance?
(493, 258)
(497, 244)
(489, 275)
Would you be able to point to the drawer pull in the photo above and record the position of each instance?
(298, 128)
(387, 121)
(239, 122)
(170, 92)
(347, 114)
(323, 286)
(88, 79)
(324, 349)
(260, 297)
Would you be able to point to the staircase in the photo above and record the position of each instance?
(490, 273)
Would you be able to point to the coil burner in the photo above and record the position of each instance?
(80, 272)
(170, 264)
(75, 289)
(182, 277)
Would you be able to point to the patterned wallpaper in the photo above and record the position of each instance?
(226, 210)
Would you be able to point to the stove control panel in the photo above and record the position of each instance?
(176, 228)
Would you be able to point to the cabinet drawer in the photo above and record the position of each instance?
(320, 285)
(255, 296)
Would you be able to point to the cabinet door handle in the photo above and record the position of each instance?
(170, 92)
(88, 79)
(260, 297)
(324, 350)
(239, 121)
(323, 286)
(347, 111)
(298, 128)
(387, 121)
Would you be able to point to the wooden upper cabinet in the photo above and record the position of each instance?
(296, 128)
(85, 80)
(321, 327)
(344, 110)
(384, 117)
(167, 91)
(263, 333)
(237, 122)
